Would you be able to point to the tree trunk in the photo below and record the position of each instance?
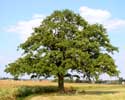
(61, 83)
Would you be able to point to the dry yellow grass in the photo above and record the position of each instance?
(92, 91)
(8, 88)
(118, 96)
(12, 83)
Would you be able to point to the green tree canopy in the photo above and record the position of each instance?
(65, 41)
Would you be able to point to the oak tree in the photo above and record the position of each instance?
(65, 41)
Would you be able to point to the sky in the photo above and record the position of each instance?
(19, 17)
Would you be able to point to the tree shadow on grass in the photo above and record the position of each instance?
(100, 92)
(25, 91)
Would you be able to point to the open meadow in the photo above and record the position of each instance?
(46, 90)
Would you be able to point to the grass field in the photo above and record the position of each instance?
(45, 90)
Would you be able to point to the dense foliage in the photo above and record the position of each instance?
(65, 41)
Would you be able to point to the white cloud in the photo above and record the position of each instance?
(25, 28)
(5, 59)
(1, 60)
(94, 15)
(101, 16)
(38, 16)
(114, 24)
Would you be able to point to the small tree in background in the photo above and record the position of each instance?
(65, 41)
